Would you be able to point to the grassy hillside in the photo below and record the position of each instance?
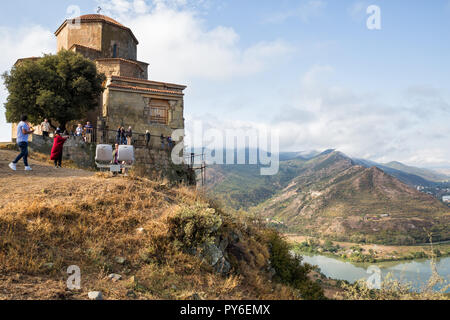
(242, 186)
(164, 242)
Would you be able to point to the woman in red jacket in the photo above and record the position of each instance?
(57, 150)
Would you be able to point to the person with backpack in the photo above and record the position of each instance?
(57, 149)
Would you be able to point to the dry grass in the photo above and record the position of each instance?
(90, 222)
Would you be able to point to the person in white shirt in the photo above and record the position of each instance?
(45, 127)
(79, 130)
(23, 130)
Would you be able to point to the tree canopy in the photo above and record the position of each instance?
(61, 87)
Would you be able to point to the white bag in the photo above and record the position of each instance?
(104, 153)
(126, 153)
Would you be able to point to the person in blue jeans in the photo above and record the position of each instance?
(23, 130)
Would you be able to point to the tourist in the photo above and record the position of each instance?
(57, 150)
(169, 142)
(123, 136)
(129, 136)
(89, 129)
(162, 141)
(116, 154)
(79, 130)
(23, 130)
(119, 136)
(45, 128)
(147, 138)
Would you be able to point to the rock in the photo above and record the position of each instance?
(223, 245)
(49, 265)
(195, 296)
(115, 277)
(272, 272)
(174, 287)
(236, 236)
(211, 253)
(95, 295)
(120, 260)
(222, 266)
(140, 230)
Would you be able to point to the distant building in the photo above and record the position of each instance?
(446, 198)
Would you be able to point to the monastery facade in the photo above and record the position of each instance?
(129, 98)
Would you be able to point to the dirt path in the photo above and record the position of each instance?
(25, 184)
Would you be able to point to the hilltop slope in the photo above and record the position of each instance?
(165, 242)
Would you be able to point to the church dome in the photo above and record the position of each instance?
(99, 17)
(90, 18)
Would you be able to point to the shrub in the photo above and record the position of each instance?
(194, 225)
(289, 269)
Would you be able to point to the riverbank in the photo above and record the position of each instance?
(361, 253)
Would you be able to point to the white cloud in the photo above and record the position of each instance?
(304, 12)
(410, 128)
(179, 47)
(16, 43)
(357, 10)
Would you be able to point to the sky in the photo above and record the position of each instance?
(310, 69)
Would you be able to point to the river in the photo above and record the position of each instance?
(416, 272)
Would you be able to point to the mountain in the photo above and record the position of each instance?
(306, 155)
(407, 177)
(334, 196)
(427, 174)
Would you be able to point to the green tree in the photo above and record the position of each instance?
(61, 87)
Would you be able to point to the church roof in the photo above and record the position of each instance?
(88, 18)
(144, 89)
(95, 17)
(119, 60)
(149, 82)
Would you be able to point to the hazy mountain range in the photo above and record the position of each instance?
(331, 195)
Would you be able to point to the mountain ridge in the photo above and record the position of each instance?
(336, 196)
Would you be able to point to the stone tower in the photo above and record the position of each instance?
(129, 99)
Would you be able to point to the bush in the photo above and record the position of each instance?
(194, 225)
(289, 269)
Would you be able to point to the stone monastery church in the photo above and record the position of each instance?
(129, 99)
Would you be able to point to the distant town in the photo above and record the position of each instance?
(441, 191)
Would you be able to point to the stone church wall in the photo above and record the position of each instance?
(128, 109)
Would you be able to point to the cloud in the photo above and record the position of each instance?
(357, 10)
(411, 127)
(304, 12)
(180, 47)
(23, 42)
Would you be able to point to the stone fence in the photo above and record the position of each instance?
(150, 162)
(75, 149)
